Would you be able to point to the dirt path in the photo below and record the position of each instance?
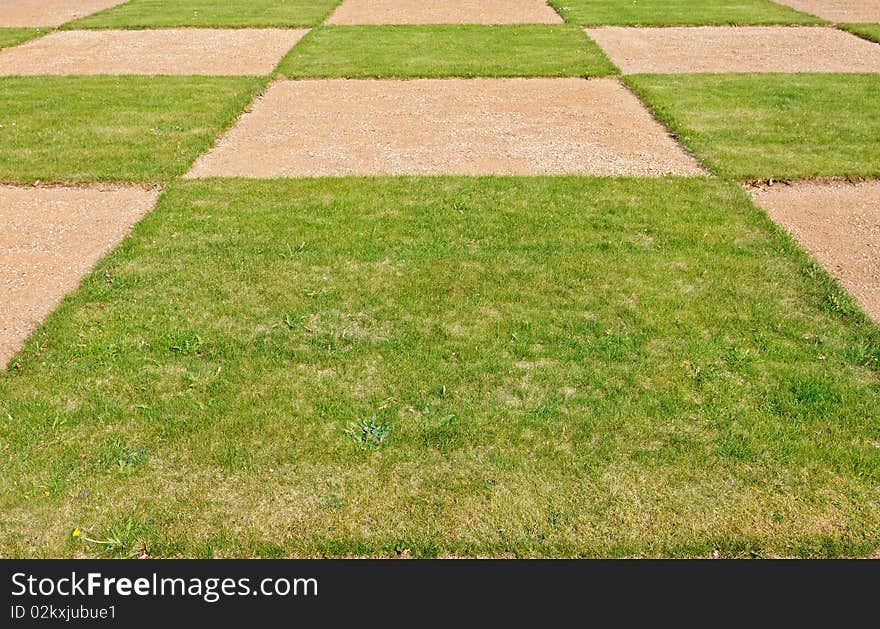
(839, 224)
(838, 10)
(188, 51)
(48, 12)
(446, 126)
(49, 238)
(446, 12)
(736, 49)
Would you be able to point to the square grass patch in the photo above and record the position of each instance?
(454, 366)
(209, 13)
(678, 12)
(868, 31)
(104, 128)
(15, 36)
(783, 126)
(446, 50)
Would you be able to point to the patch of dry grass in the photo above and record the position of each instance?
(549, 366)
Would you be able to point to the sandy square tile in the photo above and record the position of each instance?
(839, 224)
(49, 239)
(446, 126)
(186, 51)
(447, 12)
(838, 10)
(48, 12)
(736, 49)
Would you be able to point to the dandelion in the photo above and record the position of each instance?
(76, 532)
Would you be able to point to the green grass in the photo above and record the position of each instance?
(678, 12)
(772, 125)
(449, 50)
(113, 128)
(868, 31)
(15, 36)
(209, 13)
(535, 366)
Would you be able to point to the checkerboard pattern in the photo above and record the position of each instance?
(239, 229)
(570, 121)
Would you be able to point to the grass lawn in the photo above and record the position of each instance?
(113, 128)
(772, 125)
(678, 12)
(15, 36)
(447, 50)
(473, 366)
(209, 13)
(868, 31)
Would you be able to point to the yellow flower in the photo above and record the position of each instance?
(76, 532)
(47, 493)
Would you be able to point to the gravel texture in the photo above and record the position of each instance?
(188, 51)
(49, 238)
(446, 126)
(446, 12)
(838, 10)
(736, 49)
(839, 224)
(48, 12)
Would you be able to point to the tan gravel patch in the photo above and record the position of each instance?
(49, 239)
(839, 224)
(838, 10)
(736, 49)
(187, 51)
(446, 126)
(446, 12)
(48, 12)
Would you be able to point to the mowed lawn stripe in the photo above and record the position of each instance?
(138, 129)
(472, 366)
(210, 14)
(678, 13)
(14, 36)
(446, 50)
(868, 31)
(785, 126)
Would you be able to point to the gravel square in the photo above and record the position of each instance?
(674, 50)
(338, 127)
(175, 51)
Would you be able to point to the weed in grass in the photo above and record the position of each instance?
(127, 463)
(369, 433)
(332, 502)
(294, 321)
(123, 539)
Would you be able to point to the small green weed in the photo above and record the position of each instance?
(368, 432)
